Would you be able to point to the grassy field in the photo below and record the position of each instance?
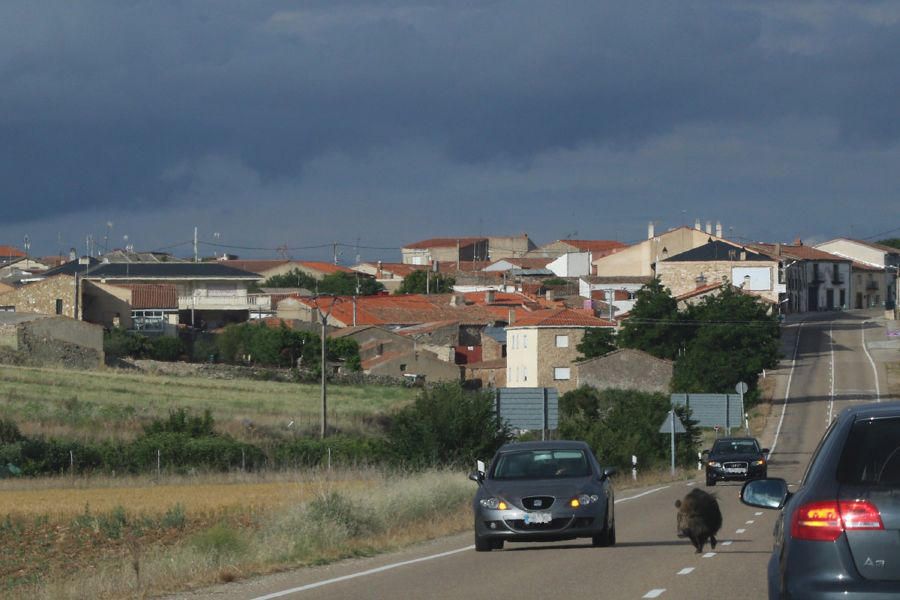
(100, 539)
(115, 404)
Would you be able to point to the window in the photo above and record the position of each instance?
(562, 373)
(148, 320)
(524, 373)
(512, 339)
(59, 306)
(403, 366)
(525, 341)
(871, 455)
(562, 341)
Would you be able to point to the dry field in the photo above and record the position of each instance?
(111, 403)
(110, 538)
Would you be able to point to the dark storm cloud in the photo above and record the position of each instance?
(103, 103)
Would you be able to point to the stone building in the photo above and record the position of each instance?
(626, 369)
(52, 296)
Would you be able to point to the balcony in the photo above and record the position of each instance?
(224, 302)
(871, 285)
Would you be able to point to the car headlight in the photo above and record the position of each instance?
(583, 500)
(493, 503)
(759, 463)
(715, 463)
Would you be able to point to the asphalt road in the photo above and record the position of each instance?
(827, 367)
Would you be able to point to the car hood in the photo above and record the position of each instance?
(514, 490)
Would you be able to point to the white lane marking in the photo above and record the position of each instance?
(787, 392)
(740, 530)
(641, 494)
(709, 555)
(690, 483)
(317, 584)
(758, 514)
(871, 362)
(833, 375)
(685, 571)
(750, 522)
(654, 593)
(728, 543)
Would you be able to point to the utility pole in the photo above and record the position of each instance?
(323, 315)
(334, 252)
(196, 254)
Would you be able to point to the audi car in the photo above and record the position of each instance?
(735, 459)
(838, 534)
(543, 491)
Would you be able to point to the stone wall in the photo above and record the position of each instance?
(681, 276)
(62, 341)
(40, 297)
(626, 369)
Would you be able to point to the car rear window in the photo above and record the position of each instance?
(871, 455)
(541, 464)
(735, 447)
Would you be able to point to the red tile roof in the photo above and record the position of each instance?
(703, 289)
(599, 248)
(152, 295)
(445, 243)
(798, 251)
(10, 252)
(324, 267)
(566, 317)
(255, 266)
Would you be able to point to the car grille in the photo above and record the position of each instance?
(537, 502)
(520, 525)
(735, 465)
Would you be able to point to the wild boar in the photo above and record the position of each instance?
(699, 518)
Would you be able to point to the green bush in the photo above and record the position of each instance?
(9, 432)
(166, 348)
(181, 421)
(621, 423)
(119, 343)
(447, 425)
(220, 542)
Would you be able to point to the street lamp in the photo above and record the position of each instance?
(323, 316)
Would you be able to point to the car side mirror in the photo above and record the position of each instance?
(477, 477)
(764, 451)
(608, 472)
(705, 451)
(765, 493)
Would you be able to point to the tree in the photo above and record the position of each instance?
(422, 281)
(735, 340)
(447, 425)
(654, 324)
(596, 342)
(892, 242)
(337, 284)
(292, 279)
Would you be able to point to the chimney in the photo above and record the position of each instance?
(72, 254)
(697, 224)
(489, 297)
(456, 300)
(650, 230)
(701, 280)
(550, 295)
(709, 227)
(512, 316)
(743, 254)
(718, 229)
(778, 249)
(746, 284)
(379, 273)
(798, 242)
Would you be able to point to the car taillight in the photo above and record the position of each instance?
(826, 521)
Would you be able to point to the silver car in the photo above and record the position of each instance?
(543, 491)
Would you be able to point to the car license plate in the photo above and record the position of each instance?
(535, 518)
(735, 470)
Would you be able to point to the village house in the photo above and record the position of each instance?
(626, 369)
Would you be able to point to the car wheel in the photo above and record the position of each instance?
(605, 538)
(483, 544)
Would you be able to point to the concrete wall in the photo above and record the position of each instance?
(639, 258)
(40, 297)
(102, 303)
(491, 349)
(626, 369)
(571, 264)
(510, 246)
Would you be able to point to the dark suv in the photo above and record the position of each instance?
(838, 535)
(735, 458)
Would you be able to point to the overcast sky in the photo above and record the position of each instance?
(300, 124)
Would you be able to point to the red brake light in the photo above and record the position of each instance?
(826, 521)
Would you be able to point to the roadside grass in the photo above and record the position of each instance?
(129, 551)
(109, 404)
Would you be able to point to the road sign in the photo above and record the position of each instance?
(666, 427)
(741, 387)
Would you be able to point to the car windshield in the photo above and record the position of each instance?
(872, 454)
(735, 447)
(541, 464)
